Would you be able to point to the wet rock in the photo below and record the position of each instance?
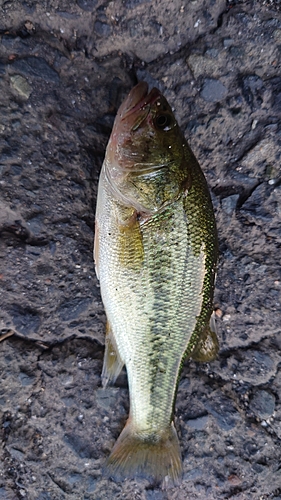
(81, 444)
(198, 423)
(16, 169)
(73, 308)
(131, 4)
(36, 67)
(102, 29)
(263, 404)
(213, 90)
(223, 410)
(25, 319)
(266, 210)
(36, 224)
(21, 85)
(91, 484)
(275, 83)
(202, 65)
(87, 5)
(252, 86)
(44, 496)
(155, 495)
(228, 42)
(262, 154)
(229, 204)
(25, 379)
(7, 494)
(192, 474)
(256, 367)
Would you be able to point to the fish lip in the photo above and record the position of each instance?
(146, 99)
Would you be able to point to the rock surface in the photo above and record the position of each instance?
(65, 67)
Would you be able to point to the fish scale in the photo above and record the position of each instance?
(164, 272)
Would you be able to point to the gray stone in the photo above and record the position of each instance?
(202, 65)
(198, 423)
(131, 4)
(263, 404)
(193, 474)
(72, 309)
(81, 444)
(229, 204)
(36, 67)
(87, 5)
(21, 85)
(26, 319)
(228, 42)
(223, 410)
(102, 29)
(213, 90)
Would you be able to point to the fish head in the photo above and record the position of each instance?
(145, 160)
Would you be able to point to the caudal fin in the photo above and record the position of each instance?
(151, 456)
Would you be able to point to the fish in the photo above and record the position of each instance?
(155, 255)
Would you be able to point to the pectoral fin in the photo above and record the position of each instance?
(208, 346)
(129, 242)
(112, 363)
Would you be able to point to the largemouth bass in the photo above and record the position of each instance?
(155, 255)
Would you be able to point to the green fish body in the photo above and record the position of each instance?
(155, 255)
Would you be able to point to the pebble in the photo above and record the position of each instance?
(201, 65)
(73, 308)
(21, 85)
(36, 67)
(102, 29)
(26, 320)
(87, 5)
(198, 423)
(223, 410)
(131, 4)
(213, 90)
(263, 404)
(229, 204)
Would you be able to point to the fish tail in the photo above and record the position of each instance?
(153, 456)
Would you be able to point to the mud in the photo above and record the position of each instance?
(65, 67)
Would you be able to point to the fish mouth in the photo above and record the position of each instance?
(139, 99)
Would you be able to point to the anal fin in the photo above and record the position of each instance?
(112, 362)
(208, 345)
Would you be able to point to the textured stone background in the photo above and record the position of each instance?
(65, 67)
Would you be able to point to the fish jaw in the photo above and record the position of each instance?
(135, 96)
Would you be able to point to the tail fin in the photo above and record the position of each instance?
(153, 456)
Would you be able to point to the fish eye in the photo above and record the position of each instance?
(163, 121)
